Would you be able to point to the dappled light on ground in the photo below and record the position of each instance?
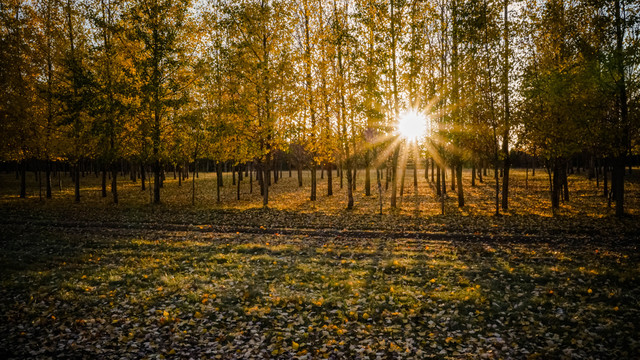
(141, 293)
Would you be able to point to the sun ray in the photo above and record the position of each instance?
(386, 153)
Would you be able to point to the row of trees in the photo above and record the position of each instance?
(163, 83)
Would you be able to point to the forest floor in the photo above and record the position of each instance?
(312, 280)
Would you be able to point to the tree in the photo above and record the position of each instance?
(161, 30)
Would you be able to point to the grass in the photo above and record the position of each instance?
(154, 293)
(305, 279)
(419, 209)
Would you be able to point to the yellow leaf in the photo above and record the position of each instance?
(198, 315)
(172, 352)
(295, 345)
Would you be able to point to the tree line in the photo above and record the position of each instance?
(159, 84)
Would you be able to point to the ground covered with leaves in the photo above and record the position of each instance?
(70, 292)
(313, 280)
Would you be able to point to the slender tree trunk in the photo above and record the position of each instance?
(355, 174)
(433, 163)
(623, 143)
(233, 175)
(114, 182)
(459, 179)
(403, 169)
(507, 113)
(239, 181)
(426, 169)
(218, 180)
(367, 175)
(314, 171)
(329, 179)
(77, 184)
(444, 190)
(438, 189)
(143, 178)
(265, 182)
(104, 181)
(415, 174)
(157, 169)
(394, 180)
(48, 179)
(565, 184)
(473, 174)
(349, 185)
(23, 179)
(40, 180)
(555, 185)
(250, 170)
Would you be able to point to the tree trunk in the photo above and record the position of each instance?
(415, 174)
(555, 185)
(104, 181)
(48, 179)
(473, 174)
(40, 180)
(349, 186)
(605, 180)
(617, 179)
(265, 182)
(433, 164)
(239, 181)
(367, 175)
(233, 175)
(312, 196)
(114, 182)
(23, 179)
(426, 169)
(218, 181)
(156, 181)
(565, 184)
(394, 180)
(143, 177)
(77, 184)
(438, 185)
(453, 176)
(507, 113)
(623, 143)
(459, 179)
(444, 190)
(329, 179)
(355, 173)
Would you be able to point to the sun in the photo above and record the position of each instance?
(412, 125)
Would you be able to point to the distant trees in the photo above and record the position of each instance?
(320, 84)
